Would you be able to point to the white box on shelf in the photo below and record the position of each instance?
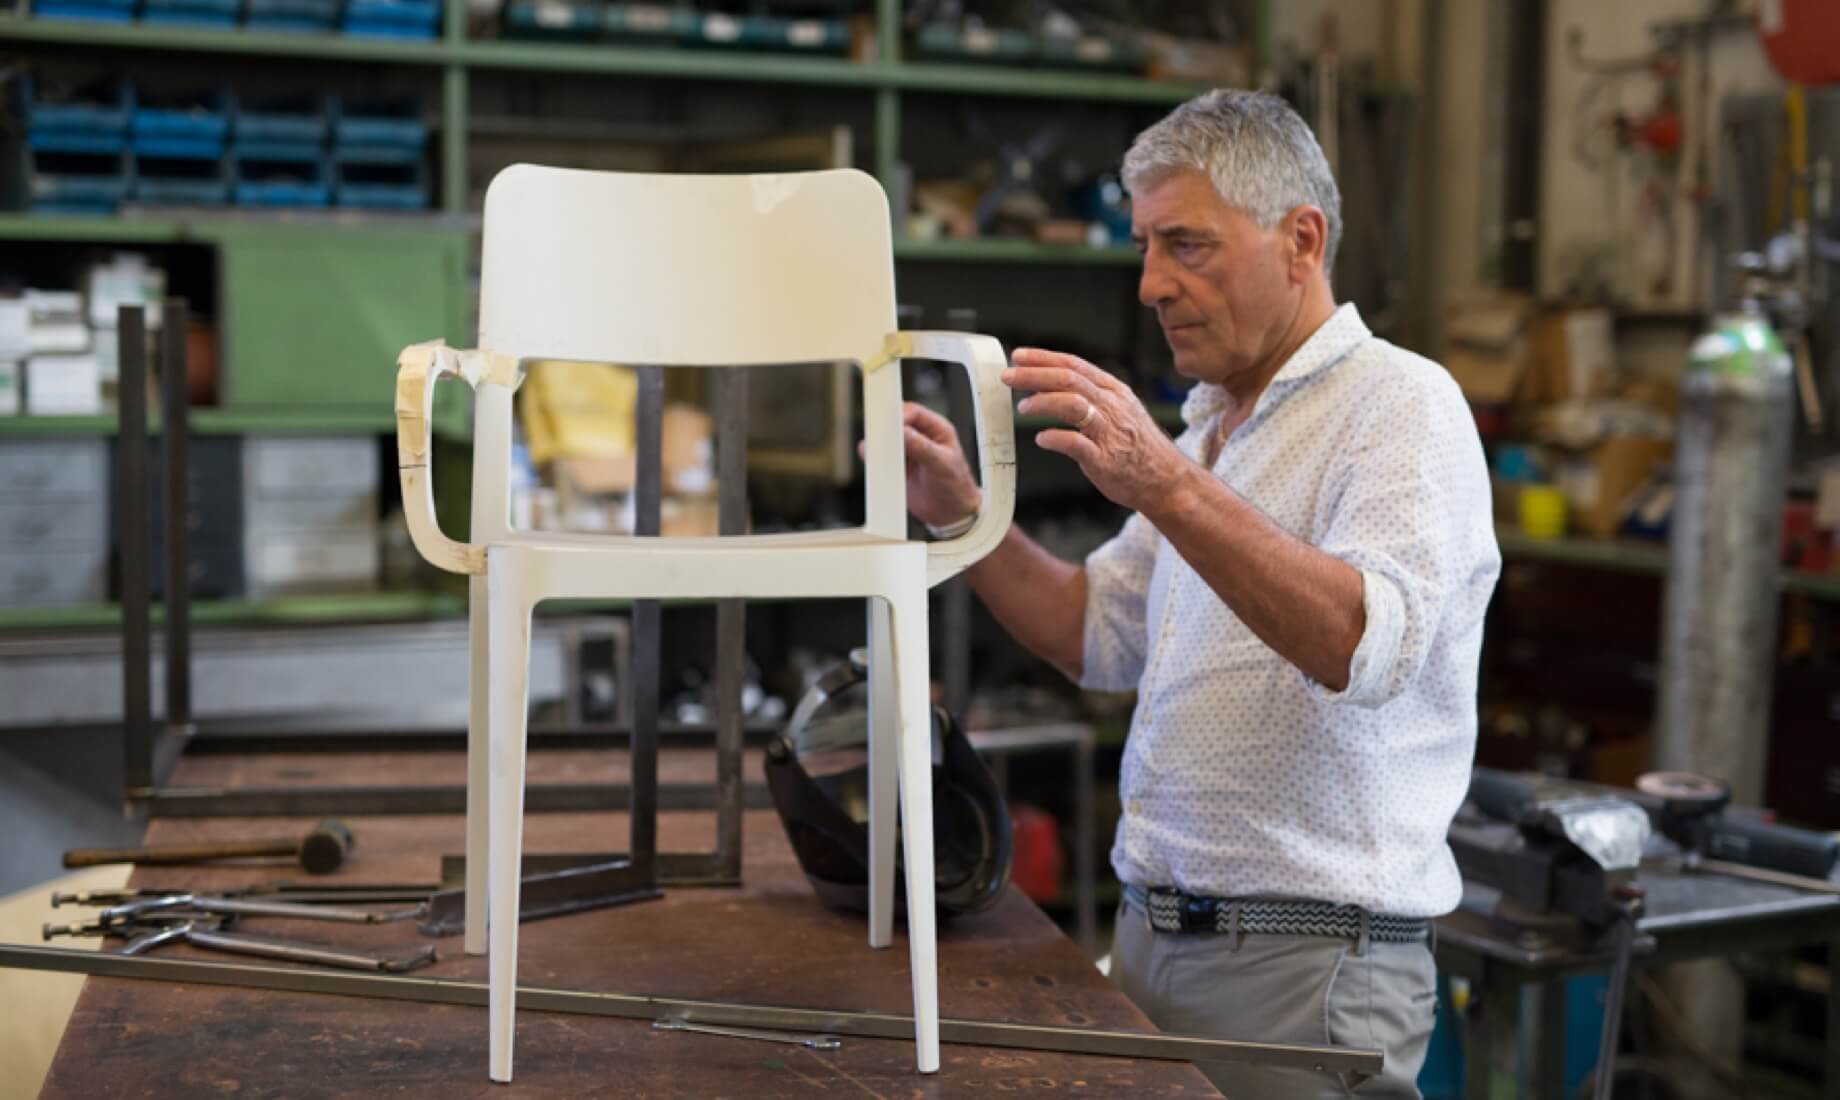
(125, 280)
(15, 329)
(63, 385)
(9, 387)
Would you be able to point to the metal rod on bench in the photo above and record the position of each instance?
(731, 615)
(175, 415)
(646, 627)
(131, 540)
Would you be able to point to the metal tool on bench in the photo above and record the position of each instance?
(206, 930)
(140, 908)
(1695, 813)
(809, 1042)
(320, 851)
(1555, 849)
(543, 892)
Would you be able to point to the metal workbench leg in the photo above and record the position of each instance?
(131, 543)
(1833, 1016)
(1083, 844)
(648, 487)
(731, 617)
(175, 401)
(1546, 1073)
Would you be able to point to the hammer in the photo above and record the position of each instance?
(320, 851)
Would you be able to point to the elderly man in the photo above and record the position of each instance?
(1297, 601)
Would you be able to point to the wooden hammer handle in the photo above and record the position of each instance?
(180, 853)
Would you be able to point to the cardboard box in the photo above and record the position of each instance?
(63, 385)
(1573, 355)
(1486, 346)
(1600, 483)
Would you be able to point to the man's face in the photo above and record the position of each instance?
(1220, 285)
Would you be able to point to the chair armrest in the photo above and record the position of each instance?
(983, 360)
(418, 368)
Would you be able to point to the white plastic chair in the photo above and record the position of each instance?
(675, 270)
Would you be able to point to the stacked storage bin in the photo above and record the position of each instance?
(74, 155)
(53, 522)
(178, 145)
(278, 155)
(291, 15)
(377, 156)
(310, 514)
(100, 11)
(213, 518)
(391, 18)
(191, 13)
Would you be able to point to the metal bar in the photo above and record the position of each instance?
(1833, 1015)
(1066, 1040)
(1085, 889)
(361, 801)
(131, 535)
(1548, 1042)
(175, 403)
(674, 868)
(647, 624)
(731, 615)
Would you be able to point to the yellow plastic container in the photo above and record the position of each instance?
(1542, 511)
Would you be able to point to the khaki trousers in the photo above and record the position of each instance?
(1284, 989)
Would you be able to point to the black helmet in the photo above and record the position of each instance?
(818, 774)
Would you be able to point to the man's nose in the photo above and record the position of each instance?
(1154, 287)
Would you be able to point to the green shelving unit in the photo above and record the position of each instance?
(455, 55)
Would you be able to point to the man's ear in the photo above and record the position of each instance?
(1306, 232)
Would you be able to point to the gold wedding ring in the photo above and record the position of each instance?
(1087, 419)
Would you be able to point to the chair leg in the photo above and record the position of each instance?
(884, 750)
(478, 762)
(508, 658)
(916, 739)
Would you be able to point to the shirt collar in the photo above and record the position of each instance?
(1340, 334)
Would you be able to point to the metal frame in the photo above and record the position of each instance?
(1103, 1042)
(152, 749)
(1504, 968)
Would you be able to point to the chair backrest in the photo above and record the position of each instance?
(646, 269)
(686, 270)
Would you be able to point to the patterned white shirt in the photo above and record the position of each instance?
(1242, 777)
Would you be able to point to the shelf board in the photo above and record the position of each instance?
(347, 607)
(589, 57)
(234, 40)
(1043, 83)
(215, 422)
(1014, 251)
(1621, 555)
(1635, 556)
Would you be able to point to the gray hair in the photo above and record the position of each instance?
(1260, 154)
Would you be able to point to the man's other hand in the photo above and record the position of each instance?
(1120, 448)
(940, 487)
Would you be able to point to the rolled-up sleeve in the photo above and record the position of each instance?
(1117, 590)
(1413, 514)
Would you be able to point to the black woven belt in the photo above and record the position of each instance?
(1173, 911)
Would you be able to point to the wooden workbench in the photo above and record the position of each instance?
(768, 942)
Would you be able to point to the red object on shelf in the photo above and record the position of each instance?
(1040, 864)
(1802, 39)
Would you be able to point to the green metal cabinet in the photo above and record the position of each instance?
(313, 319)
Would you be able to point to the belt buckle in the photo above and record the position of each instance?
(1163, 909)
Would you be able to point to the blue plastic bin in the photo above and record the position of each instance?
(391, 18)
(306, 16)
